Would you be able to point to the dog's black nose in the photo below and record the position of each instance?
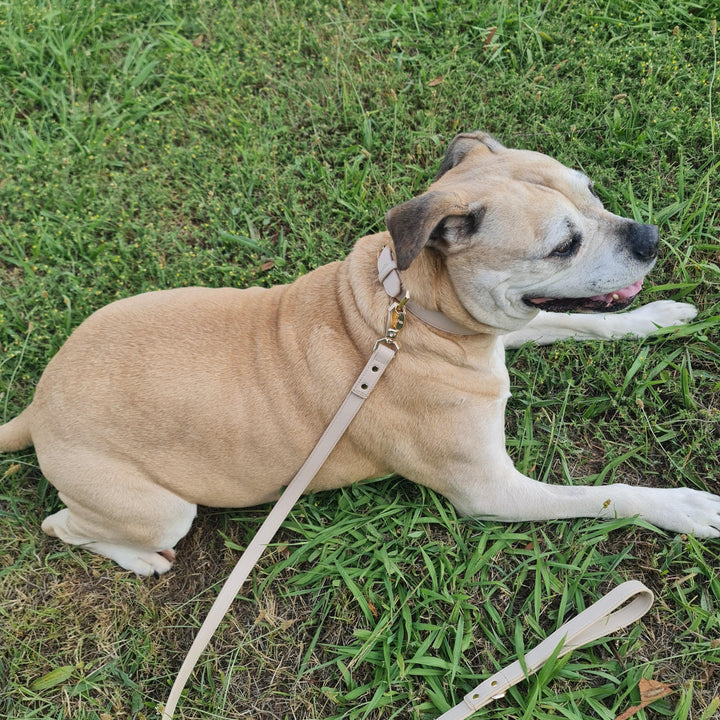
(642, 240)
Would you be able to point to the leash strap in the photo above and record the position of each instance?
(384, 351)
(620, 607)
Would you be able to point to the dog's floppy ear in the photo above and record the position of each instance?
(436, 218)
(463, 144)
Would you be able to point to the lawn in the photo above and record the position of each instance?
(148, 145)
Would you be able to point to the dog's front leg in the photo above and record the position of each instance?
(548, 327)
(511, 496)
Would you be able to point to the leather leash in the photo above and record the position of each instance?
(598, 620)
(382, 355)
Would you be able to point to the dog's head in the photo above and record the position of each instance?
(519, 232)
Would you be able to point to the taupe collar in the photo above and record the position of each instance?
(390, 280)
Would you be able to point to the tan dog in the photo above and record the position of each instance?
(171, 399)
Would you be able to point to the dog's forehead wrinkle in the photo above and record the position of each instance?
(576, 196)
(559, 228)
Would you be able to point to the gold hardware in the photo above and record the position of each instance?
(395, 319)
(394, 323)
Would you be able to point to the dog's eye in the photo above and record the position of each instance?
(569, 247)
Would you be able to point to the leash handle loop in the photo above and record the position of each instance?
(621, 606)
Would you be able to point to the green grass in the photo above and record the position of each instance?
(151, 145)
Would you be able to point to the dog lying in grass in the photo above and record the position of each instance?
(170, 399)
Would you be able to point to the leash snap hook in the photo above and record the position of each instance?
(394, 323)
(396, 317)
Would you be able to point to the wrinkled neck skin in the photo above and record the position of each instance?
(487, 293)
(429, 285)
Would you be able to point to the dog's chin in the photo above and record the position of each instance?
(610, 302)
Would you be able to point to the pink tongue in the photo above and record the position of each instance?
(625, 294)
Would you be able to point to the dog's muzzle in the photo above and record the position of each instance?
(641, 242)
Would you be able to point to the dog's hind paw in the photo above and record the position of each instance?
(145, 563)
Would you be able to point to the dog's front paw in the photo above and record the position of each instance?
(686, 511)
(659, 314)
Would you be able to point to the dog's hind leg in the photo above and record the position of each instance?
(114, 510)
(549, 327)
(138, 555)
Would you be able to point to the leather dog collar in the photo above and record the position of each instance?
(389, 277)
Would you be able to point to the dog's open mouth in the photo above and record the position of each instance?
(610, 302)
